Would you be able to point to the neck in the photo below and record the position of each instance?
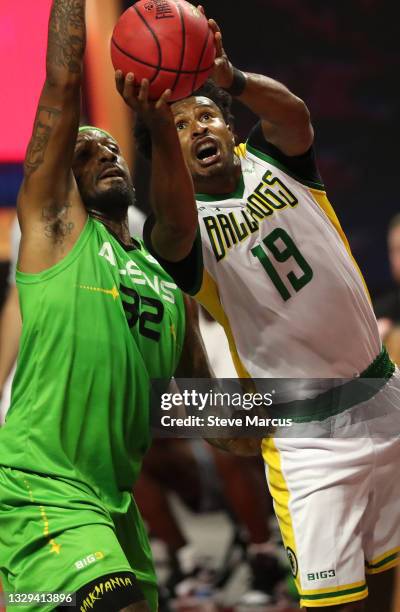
(220, 184)
(118, 227)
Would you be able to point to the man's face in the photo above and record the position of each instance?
(207, 141)
(102, 175)
(394, 252)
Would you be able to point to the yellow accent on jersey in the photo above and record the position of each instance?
(113, 292)
(241, 150)
(322, 200)
(55, 548)
(209, 298)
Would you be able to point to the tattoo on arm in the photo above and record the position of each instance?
(57, 223)
(67, 35)
(44, 123)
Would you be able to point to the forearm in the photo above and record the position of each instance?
(272, 101)
(10, 332)
(66, 42)
(47, 167)
(58, 109)
(285, 117)
(172, 197)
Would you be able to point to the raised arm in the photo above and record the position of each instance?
(171, 186)
(50, 210)
(284, 117)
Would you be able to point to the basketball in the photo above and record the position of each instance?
(168, 42)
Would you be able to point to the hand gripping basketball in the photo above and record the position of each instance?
(222, 72)
(154, 113)
(168, 42)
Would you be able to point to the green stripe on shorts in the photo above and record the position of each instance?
(351, 591)
(383, 561)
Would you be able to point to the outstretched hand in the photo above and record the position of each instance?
(222, 73)
(154, 113)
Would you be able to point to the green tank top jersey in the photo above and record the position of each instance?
(97, 327)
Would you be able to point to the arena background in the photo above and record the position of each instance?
(341, 57)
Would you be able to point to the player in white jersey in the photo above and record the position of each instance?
(262, 249)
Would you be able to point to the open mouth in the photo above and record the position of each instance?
(207, 153)
(111, 173)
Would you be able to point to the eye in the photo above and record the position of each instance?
(206, 116)
(81, 153)
(180, 125)
(113, 147)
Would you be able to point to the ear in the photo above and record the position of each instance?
(232, 134)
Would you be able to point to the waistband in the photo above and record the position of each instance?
(341, 397)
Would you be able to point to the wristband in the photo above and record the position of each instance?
(238, 83)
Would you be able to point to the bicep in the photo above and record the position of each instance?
(48, 160)
(293, 137)
(50, 210)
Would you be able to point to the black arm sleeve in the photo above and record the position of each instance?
(187, 273)
(301, 167)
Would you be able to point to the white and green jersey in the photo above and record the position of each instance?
(275, 269)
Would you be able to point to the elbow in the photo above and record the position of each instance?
(300, 110)
(302, 123)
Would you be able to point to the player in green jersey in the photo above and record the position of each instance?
(100, 319)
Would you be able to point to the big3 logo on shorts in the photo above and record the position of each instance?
(88, 560)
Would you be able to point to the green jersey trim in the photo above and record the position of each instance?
(273, 162)
(237, 194)
(27, 279)
(341, 398)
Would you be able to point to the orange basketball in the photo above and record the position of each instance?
(168, 42)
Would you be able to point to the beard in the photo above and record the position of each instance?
(113, 203)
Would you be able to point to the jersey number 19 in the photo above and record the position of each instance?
(281, 255)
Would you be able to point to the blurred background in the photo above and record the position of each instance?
(341, 57)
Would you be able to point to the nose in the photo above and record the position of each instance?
(198, 129)
(105, 154)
